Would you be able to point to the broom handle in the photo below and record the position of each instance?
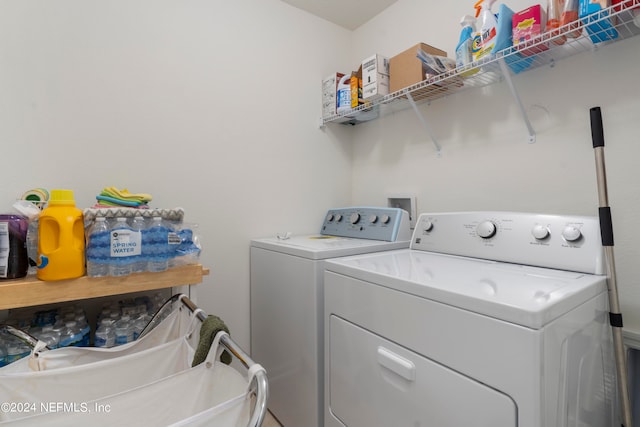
(606, 233)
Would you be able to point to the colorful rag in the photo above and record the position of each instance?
(111, 196)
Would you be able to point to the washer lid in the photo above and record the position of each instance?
(524, 295)
(318, 246)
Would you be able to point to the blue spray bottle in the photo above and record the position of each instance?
(464, 55)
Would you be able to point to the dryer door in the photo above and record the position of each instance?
(374, 382)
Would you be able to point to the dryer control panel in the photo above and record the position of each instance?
(386, 224)
(551, 241)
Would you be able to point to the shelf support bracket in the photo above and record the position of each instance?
(516, 97)
(423, 121)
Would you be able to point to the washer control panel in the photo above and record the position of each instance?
(552, 241)
(387, 224)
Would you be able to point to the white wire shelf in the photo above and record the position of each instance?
(543, 52)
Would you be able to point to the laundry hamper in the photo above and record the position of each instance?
(139, 384)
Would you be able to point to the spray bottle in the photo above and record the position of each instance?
(554, 17)
(485, 40)
(569, 18)
(464, 55)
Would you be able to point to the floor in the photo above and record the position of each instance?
(270, 421)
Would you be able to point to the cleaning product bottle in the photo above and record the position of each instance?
(484, 40)
(464, 56)
(60, 238)
(14, 260)
(343, 97)
(569, 17)
(554, 16)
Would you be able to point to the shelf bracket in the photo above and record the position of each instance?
(516, 97)
(423, 121)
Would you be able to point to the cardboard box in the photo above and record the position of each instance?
(329, 89)
(528, 25)
(356, 88)
(405, 69)
(375, 77)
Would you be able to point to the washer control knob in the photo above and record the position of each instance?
(338, 217)
(540, 232)
(330, 217)
(373, 219)
(427, 225)
(571, 233)
(385, 219)
(486, 229)
(354, 218)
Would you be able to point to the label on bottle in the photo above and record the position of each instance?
(483, 43)
(100, 340)
(126, 243)
(174, 238)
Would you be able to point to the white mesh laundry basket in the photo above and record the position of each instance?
(154, 386)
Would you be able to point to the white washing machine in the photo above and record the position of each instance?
(490, 319)
(287, 328)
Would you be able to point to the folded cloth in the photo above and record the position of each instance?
(111, 201)
(104, 205)
(124, 194)
(210, 327)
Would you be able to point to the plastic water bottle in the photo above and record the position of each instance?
(98, 249)
(49, 337)
(124, 330)
(58, 329)
(114, 316)
(85, 330)
(139, 263)
(105, 334)
(121, 252)
(157, 246)
(3, 354)
(71, 335)
(139, 324)
(16, 351)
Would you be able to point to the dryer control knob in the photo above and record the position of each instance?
(385, 219)
(486, 229)
(330, 217)
(373, 219)
(338, 217)
(427, 225)
(571, 233)
(540, 232)
(354, 218)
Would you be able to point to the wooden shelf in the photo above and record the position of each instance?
(30, 291)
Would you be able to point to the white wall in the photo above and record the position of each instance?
(486, 162)
(208, 105)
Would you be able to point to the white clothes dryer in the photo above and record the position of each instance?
(287, 328)
(494, 319)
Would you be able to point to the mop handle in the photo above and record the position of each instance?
(597, 132)
(606, 234)
(597, 136)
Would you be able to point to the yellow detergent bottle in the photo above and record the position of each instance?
(60, 238)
